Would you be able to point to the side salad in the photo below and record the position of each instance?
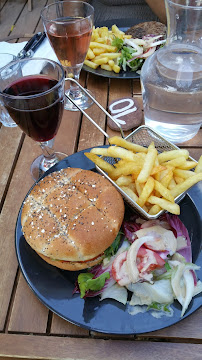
(135, 51)
(148, 267)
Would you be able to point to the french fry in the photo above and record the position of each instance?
(186, 184)
(170, 155)
(124, 180)
(99, 151)
(165, 181)
(183, 173)
(171, 184)
(138, 186)
(104, 165)
(189, 165)
(148, 164)
(111, 55)
(106, 67)
(155, 209)
(119, 152)
(165, 204)
(103, 46)
(178, 179)
(117, 140)
(116, 69)
(130, 193)
(179, 161)
(165, 193)
(100, 60)
(157, 169)
(90, 54)
(117, 32)
(127, 168)
(98, 51)
(91, 64)
(146, 191)
(198, 168)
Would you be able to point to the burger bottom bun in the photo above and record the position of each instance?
(72, 265)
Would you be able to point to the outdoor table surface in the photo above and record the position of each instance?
(28, 330)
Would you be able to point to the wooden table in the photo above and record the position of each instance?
(27, 328)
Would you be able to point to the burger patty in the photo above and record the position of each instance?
(147, 28)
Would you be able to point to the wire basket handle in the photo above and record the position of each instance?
(97, 103)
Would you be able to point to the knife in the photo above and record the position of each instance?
(31, 45)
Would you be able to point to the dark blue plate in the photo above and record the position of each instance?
(54, 287)
(123, 25)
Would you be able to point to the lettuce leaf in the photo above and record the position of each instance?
(118, 43)
(159, 307)
(112, 250)
(86, 282)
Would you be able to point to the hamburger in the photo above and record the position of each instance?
(71, 217)
(147, 28)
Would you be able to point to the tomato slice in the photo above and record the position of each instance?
(148, 260)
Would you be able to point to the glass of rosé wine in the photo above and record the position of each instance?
(35, 101)
(68, 26)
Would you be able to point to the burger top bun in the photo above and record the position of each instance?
(71, 217)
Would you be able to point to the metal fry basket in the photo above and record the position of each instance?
(143, 136)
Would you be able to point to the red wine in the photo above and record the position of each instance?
(70, 40)
(39, 117)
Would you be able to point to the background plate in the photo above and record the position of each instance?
(54, 286)
(123, 25)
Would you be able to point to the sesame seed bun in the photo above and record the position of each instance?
(71, 217)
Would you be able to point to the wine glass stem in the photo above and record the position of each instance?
(74, 90)
(50, 157)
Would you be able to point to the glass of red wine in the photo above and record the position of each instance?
(68, 26)
(35, 101)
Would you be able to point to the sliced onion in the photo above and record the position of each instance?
(189, 285)
(132, 256)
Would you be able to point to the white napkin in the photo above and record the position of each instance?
(43, 51)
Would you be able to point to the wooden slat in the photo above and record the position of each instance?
(62, 327)
(9, 142)
(9, 16)
(189, 328)
(28, 21)
(14, 198)
(89, 134)
(137, 87)
(27, 316)
(195, 152)
(30, 346)
(194, 142)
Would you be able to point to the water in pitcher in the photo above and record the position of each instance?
(172, 92)
(171, 78)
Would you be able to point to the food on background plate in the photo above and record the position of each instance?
(113, 50)
(71, 217)
(143, 29)
(149, 269)
(152, 180)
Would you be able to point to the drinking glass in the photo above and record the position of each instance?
(5, 118)
(35, 101)
(68, 25)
